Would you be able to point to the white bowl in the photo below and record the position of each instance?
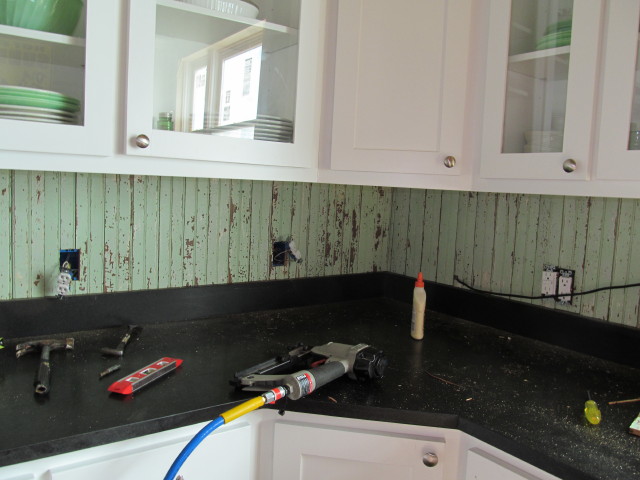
(236, 7)
(231, 7)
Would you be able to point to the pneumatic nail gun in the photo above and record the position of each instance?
(304, 368)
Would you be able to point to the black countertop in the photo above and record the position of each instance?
(518, 394)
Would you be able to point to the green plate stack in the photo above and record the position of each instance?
(555, 35)
(32, 104)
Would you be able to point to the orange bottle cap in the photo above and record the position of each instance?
(419, 281)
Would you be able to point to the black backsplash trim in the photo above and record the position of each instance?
(609, 341)
(46, 316)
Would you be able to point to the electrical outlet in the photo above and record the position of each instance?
(549, 280)
(565, 286)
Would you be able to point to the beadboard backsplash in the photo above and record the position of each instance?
(500, 242)
(147, 232)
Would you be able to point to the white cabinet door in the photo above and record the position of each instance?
(400, 86)
(238, 89)
(618, 155)
(303, 452)
(226, 453)
(79, 66)
(483, 466)
(541, 82)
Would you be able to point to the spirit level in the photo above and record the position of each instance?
(134, 382)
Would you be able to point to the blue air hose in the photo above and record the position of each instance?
(191, 446)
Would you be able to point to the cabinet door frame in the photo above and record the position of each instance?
(614, 160)
(95, 136)
(303, 152)
(296, 445)
(451, 88)
(581, 105)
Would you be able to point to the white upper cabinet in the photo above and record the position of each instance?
(399, 92)
(225, 86)
(540, 90)
(54, 79)
(619, 141)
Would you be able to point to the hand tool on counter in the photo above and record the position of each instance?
(591, 411)
(43, 375)
(280, 377)
(110, 370)
(143, 377)
(119, 350)
(319, 365)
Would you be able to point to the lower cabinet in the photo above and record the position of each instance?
(266, 446)
(484, 462)
(317, 453)
(225, 454)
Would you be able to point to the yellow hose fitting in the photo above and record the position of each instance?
(242, 409)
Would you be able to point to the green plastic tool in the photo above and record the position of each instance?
(591, 411)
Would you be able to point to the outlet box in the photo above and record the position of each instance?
(70, 260)
(549, 280)
(279, 255)
(565, 286)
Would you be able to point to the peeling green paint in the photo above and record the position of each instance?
(148, 232)
(502, 242)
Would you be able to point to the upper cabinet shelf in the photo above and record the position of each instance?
(63, 49)
(175, 7)
(549, 64)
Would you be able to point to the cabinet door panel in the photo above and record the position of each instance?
(539, 95)
(314, 453)
(481, 466)
(223, 454)
(82, 66)
(400, 85)
(237, 89)
(618, 157)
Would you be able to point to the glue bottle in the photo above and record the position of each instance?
(419, 306)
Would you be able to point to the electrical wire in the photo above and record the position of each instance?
(540, 297)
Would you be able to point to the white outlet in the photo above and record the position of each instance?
(565, 286)
(549, 281)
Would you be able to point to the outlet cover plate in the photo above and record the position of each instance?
(565, 285)
(549, 280)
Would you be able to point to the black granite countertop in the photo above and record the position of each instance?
(518, 394)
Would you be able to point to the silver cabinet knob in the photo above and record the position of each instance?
(569, 165)
(430, 459)
(142, 141)
(449, 161)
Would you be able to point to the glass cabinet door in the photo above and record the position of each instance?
(537, 72)
(46, 72)
(226, 73)
(619, 140)
(541, 80)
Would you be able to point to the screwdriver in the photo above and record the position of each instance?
(591, 411)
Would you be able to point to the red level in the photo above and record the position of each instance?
(134, 382)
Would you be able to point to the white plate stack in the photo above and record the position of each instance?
(35, 105)
(539, 141)
(273, 129)
(264, 127)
